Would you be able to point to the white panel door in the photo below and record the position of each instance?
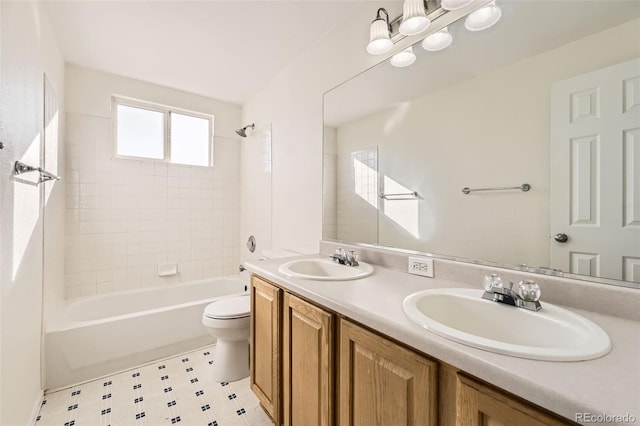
(595, 173)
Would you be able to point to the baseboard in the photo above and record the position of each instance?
(36, 409)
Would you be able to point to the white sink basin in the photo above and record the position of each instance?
(324, 270)
(551, 334)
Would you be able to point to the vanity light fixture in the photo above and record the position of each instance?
(483, 18)
(403, 58)
(455, 4)
(437, 41)
(417, 17)
(414, 18)
(380, 34)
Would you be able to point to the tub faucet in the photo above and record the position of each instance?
(527, 296)
(344, 257)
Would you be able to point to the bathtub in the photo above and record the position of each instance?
(100, 335)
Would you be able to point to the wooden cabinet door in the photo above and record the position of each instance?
(265, 345)
(480, 405)
(308, 364)
(382, 383)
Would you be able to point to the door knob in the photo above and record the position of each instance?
(561, 238)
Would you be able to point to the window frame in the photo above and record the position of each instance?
(166, 111)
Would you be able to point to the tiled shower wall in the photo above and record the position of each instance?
(329, 184)
(124, 217)
(357, 195)
(255, 189)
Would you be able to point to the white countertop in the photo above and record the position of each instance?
(608, 385)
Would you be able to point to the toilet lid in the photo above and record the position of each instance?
(231, 307)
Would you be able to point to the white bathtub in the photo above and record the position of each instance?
(100, 335)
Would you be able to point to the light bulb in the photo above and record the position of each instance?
(454, 4)
(483, 18)
(414, 18)
(379, 40)
(437, 41)
(403, 58)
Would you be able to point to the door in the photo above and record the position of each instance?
(382, 383)
(307, 363)
(265, 345)
(595, 173)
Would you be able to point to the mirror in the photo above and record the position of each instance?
(549, 97)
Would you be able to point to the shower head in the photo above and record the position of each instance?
(243, 132)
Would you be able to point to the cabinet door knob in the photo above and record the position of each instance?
(561, 238)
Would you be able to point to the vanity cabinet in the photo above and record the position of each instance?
(292, 356)
(311, 367)
(266, 302)
(478, 404)
(307, 363)
(382, 383)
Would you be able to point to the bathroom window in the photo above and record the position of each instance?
(157, 132)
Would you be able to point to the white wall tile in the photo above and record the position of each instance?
(123, 217)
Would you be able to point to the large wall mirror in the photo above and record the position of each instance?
(549, 97)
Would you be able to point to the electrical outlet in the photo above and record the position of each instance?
(421, 266)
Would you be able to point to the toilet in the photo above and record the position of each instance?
(228, 321)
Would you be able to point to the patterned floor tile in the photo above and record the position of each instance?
(175, 391)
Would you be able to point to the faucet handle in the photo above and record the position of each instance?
(529, 291)
(490, 281)
(352, 257)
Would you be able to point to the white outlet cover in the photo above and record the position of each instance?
(422, 266)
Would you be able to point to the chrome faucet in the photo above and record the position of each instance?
(527, 296)
(345, 257)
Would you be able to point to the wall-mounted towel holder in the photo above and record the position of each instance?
(20, 168)
(396, 197)
(524, 188)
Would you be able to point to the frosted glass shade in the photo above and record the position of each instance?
(414, 18)
(437, 41)
(404, 58)
(454, 4)
(483, 18)
(379, 40)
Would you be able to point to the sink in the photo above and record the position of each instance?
(550, 334)
(324, 270)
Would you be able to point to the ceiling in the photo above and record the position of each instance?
(225, 50)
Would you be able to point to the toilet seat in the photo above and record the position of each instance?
(229, 308)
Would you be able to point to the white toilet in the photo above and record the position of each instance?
(228, 320)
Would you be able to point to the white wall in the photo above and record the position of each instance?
(29, 49)
(292, 102)
(255, 190)
(124, 217)
(505, 113)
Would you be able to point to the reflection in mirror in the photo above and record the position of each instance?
(550, 97)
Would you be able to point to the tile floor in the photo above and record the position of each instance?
(172, 391)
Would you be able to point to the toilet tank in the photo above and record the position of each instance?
(276, 253)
